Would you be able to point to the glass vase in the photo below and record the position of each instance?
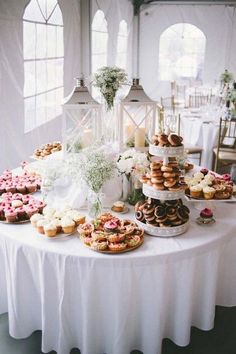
(136, 192)
(94, 203)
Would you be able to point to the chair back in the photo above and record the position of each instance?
(198, 100)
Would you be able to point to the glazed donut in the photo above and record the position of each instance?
(143, 179)
(155, 165)
(166, 223)
(117, 247)
(163, 139)
(169, 184)
(166, 168)
(175, 188)
(160, 211)
(139, 215)
(186, 208)
(157, 180)
(175, 140)
(159, 186)
(155, 139)
(182, 213)
(177, 222)
(171, 211)
(169, 174)
(156, 173)
(150, 218)
(149, 183)
(173, 203)
(148, 209)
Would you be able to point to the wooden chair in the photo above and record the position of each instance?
(225, 152)
(168, 104)
(190, 150)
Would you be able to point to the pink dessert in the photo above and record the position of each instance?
(11, 215)
(17, 196)
(31, 187)
(31, 210)
(21, 213)
(226, 177)
(2, 213)
(6, 195)
(110, 225)
(206, 213)
(21, 188)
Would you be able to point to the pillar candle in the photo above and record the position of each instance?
(87, 138)
(139, 137)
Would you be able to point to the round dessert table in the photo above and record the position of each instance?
(114, 304)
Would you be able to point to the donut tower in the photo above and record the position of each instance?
(163, 213)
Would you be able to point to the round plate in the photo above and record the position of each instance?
(126, 209)
(15, 222)
(165, 151)
(150, 192)
(118, 252)
(163, 231)
(201, 221)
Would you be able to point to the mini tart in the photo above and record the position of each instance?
(99, 246)
(208, 192)
(50, 230)
(99, 236)
(196, 191)
(114, 238)
(85, 229)
(117, 247)
(133, 241)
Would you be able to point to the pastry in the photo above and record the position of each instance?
(175, 140)
(40, 225)
(196, 191)
(35, 218)
(11, 215)
(208, 192)
(118, 206)
(117, 247)
(50, 230)
(68, 225)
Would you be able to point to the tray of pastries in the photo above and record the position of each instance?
(163, 181)
(164, 145)
(47, 149)
(56, 223)
(163, 219)
(24, 183)
(111, 235)
(18, 208)
(205, 186)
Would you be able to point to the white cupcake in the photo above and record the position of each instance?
(48, 211)
(35, 218)
(16, 203)
(68, 225)
(198, 176)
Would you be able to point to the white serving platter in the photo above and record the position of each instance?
(166, 151)
(163, 231)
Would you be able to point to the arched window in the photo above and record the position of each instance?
(121, 58)
(181, 52)
(99, 41)
(43, 62)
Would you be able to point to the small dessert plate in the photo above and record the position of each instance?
(202, 221)
(126, 209)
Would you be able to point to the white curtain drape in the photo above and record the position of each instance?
(218, 23)
(14, 144)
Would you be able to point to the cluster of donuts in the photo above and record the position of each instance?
(56, 221)
(164, 177)
(47, 149)
(167, 140)
(109, 233)
(162, 214)
(206, 185)
(18, 207)
(24, 184)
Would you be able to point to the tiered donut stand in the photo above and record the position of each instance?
(149, 191)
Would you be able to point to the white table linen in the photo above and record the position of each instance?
(114, 304)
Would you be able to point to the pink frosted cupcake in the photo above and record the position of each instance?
(31, 210)
(31, 187)
(2, 214)
(2, 188)
(40, 205)
(6, 195)
(21, 213)
(26, 199)
(17, 196)
(11, 215)
(10, 188)
(21, 188)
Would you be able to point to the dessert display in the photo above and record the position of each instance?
(24, 183)
(119, 207)
(47, 149)
(53, 222)
(109, 234)
(163, 213)
(206, 217)
(205, 185)
(19, 208)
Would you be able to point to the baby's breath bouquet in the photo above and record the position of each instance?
(109, 80)
(226, 77)
(95, 167)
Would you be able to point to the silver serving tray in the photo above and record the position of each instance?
(166, 151)
(150, 192)
(163, 231)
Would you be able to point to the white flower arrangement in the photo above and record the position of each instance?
(109, 80)
(132, 162)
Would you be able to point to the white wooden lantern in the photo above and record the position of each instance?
(137, 118)
(81, 119)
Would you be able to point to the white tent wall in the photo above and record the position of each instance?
(15, 145)
(218, 23)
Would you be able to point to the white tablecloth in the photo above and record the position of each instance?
(114, 304)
